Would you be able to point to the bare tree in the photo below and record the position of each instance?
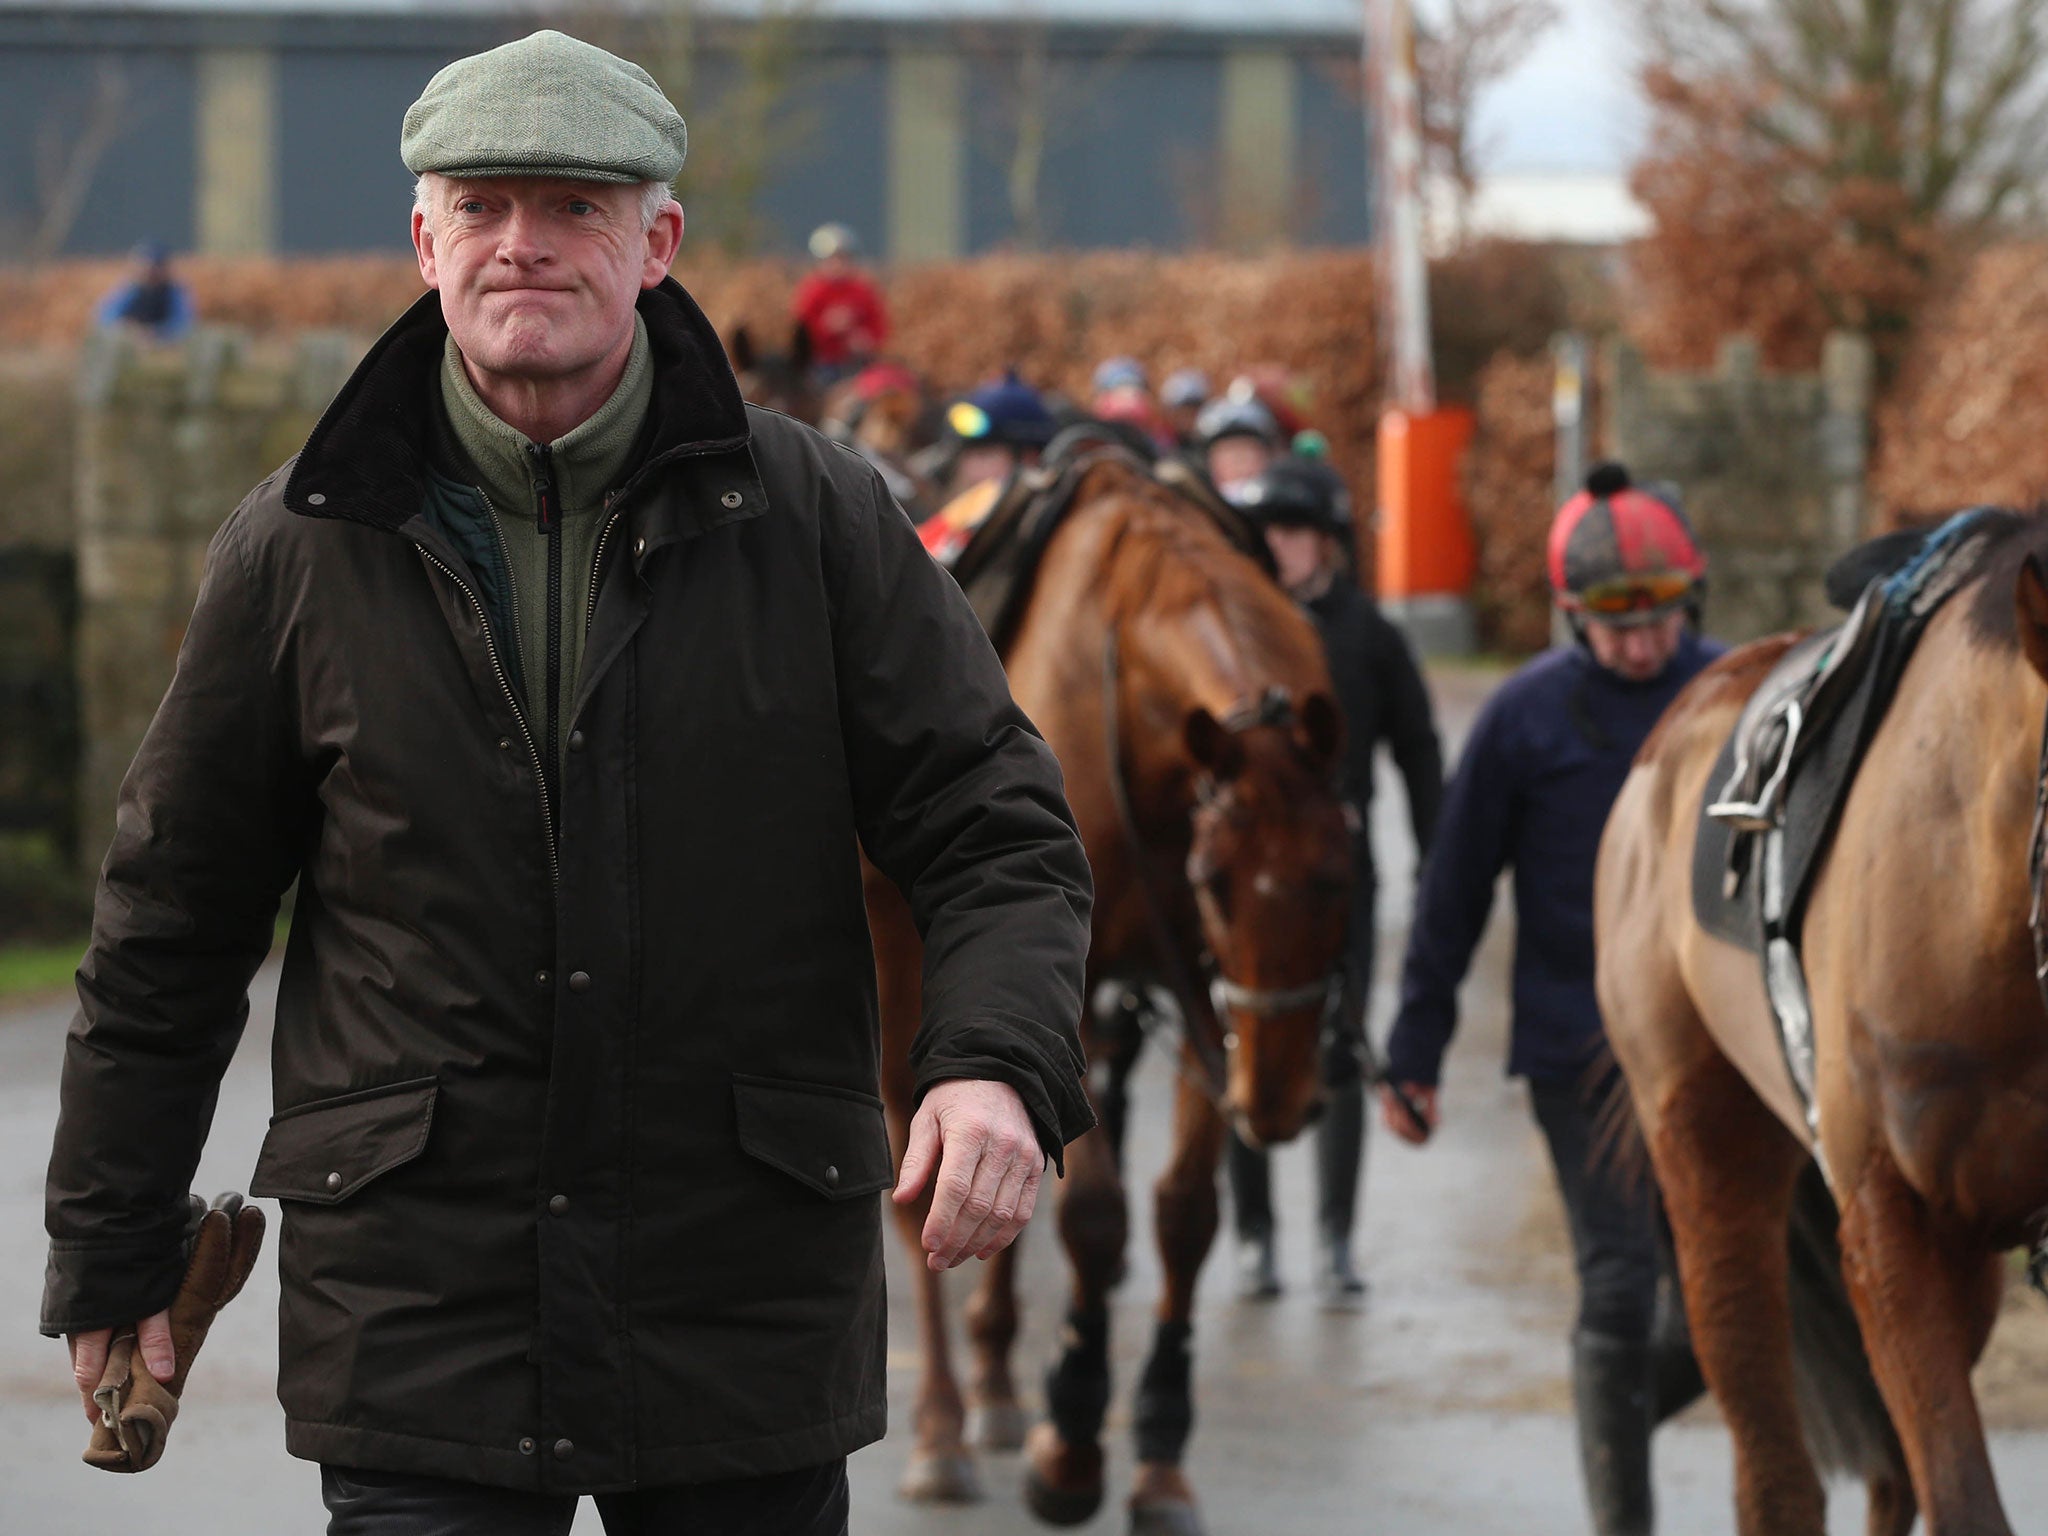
(1041, 103)
(69, 149)
(1468, 47)
(1857, 137)
(1944, 100)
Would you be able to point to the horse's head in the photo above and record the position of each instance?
(1271, 868)
(779, 380)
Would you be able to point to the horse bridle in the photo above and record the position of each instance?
(1212, 1060)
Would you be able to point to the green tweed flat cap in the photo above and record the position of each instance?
(547, 105)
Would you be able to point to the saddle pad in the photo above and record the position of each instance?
(996, 537)
(1820, 785)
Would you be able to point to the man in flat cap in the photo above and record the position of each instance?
(569, 689)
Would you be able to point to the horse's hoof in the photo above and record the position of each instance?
(1060, 1506)
(940, 1477)
(996, 1426)
(1175, 1519)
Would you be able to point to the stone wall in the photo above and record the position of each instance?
(169, 442)
(1772, 468)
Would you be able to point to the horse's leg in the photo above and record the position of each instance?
(1926, 1301)
(1063, 1482)
(1185, 1219)
(941, 1469)
(1728, 1170)
(995, 1420)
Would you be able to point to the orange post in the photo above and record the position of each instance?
(1424, 545)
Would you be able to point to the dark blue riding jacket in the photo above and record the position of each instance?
(1539, 774)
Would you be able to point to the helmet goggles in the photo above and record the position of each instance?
(1636, 598)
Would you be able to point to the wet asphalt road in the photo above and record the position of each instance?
(1440, 1407)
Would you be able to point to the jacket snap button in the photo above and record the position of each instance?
(334, 1181)
(832, 1176)
(731, 499)
(564, 1449)
(543, 978)
(558, 1205)
(639, 546)
(316, 500)
(579, 981)
(504, 743)
(528, 1445)
(575, 741)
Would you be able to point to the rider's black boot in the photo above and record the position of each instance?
(1340, 1157)
(1251, 1213)
(1611, 1384)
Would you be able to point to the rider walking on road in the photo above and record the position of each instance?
(1305, 513)
(1531, 794)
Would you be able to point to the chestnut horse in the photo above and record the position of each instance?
(1930, 1041)
(1191, 709)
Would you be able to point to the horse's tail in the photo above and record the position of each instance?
(1847, 1425)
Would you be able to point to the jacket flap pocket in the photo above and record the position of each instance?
(832, 1139)
(325, 1151)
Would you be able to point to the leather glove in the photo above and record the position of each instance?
(136, 1409)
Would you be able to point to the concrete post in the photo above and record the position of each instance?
(927, 155)
(1257, 148)
(237, 134)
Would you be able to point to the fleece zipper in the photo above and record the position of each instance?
(547, 515)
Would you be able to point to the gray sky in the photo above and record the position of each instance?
(1573, 105)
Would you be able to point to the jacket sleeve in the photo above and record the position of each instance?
(207, 838)
(1471, 848)
(1412, 738)
(959, 802)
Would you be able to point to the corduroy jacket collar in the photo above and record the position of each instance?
(367, 459)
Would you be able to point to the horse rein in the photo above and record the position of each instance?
(1210, 1071)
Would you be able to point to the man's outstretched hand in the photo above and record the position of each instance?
(978, 1139)
(89, 1356)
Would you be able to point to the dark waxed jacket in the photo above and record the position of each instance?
(576, 1140)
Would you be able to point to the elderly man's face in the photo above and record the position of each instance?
(537, 276)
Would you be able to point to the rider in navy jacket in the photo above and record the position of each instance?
(1541, 770)
(1539, 773)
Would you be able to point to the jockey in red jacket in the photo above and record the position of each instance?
(840, 306)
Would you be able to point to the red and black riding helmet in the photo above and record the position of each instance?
(1622, 553)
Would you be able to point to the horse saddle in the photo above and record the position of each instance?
(996, 536)
(1775, 794)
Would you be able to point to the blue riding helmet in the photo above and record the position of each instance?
(1117, 373)
(1008, 412)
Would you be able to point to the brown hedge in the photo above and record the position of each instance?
(1053, 317)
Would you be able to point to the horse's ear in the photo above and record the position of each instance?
(742, 349)
(1322, 727)
(1213, 745)
(2031, 599)
(800, 347)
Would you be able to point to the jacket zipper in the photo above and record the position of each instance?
(596, 569)
(547, 815)
(547, 522)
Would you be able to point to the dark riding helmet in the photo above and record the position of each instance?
(1624, 553)
(1008, 411)
(1297, 493)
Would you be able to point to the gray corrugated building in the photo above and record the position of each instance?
(936, 129)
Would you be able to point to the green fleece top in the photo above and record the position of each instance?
(589, 461)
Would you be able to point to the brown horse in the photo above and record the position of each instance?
(1191, 710)
(1931, 1060)
(782, 381)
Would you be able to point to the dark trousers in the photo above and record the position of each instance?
(1612, 1212)
(809, 1502)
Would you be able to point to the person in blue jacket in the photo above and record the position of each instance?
(151, 299)
(1531, 793)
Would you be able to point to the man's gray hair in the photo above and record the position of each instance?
(654, 196)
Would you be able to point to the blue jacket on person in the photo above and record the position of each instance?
(1541, 770)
